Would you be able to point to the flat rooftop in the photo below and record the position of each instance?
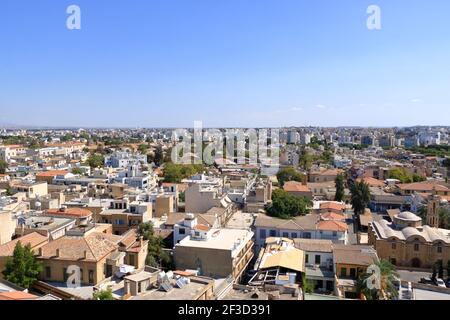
(221, 239)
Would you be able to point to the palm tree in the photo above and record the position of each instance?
(360, 197)
(387, 278)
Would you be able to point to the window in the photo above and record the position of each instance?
(317, 259)
(394, 246)
(439, 249)
(306, 258)
(293, 235)
(353, 272)
(307, 235)
(182, 231)
(48, 272)
(285, 234)
(273, 233)
(334, 233)
(91, 276)
(394, 261)
(262, 233)
(343, 272)
(416, 247)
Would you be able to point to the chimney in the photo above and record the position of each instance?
(85, 255)
(41, 252)
(58, 253)
(141, 241)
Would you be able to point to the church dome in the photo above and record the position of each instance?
(408, 216)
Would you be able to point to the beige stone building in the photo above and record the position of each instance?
(35, 240)
(164, 205)
(31, 189)
(216, 252)
(125, 215)
(98, 255)
(406, 242)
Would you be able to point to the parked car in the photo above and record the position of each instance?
(440, 283)
(426, 281)
(448, 283)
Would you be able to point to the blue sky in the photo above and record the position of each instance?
(226, 62)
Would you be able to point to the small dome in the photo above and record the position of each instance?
(408, 216)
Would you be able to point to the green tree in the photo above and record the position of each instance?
(3, 166)
(182, 196)
(143, 148)
(405, 176)
(77, 171)
(96, 160)
(103, 295)
(360, 198)
(66, 137)
(305, 159)
(156, 255)
(388, 277)
(286, 206)
(288, 174)
(176, 172)
(308, 285)
(340, 188)
(22, 268)
(444, 218)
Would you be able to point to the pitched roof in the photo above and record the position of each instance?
(332, 216)
(307, 222)
(331, 205)
(423, 186)
(332, 225)
(33, 239)
(354, 255)
(96, 246)
(17, 295)
(294, 186)
(372, 182)
(52, 173)
(313, 245)
(72, 212)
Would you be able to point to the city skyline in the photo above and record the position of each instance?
(231, 64)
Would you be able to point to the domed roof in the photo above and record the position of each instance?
(410, 232)
(408, 216)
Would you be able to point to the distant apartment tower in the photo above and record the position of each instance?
(292, 137)
(367, 140)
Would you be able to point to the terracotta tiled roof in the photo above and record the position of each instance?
(294, 186)
(332, 206)
(354, 255)
(96, 246)
(332, 225)
(34, 239)
(52, 173)
(16, 295)
(73, 212)
(202, 227)
(423, 186)
(372, 182)
(332, 216)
